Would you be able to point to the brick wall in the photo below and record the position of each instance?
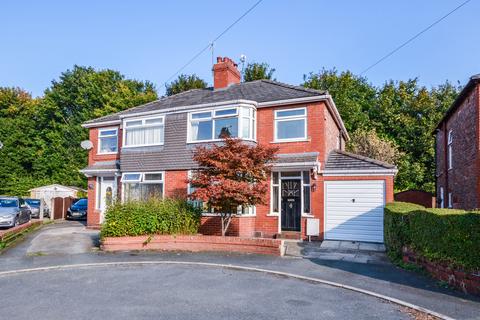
(92, 154)
(332, 135)
(176, 184)
(241, 226)
(462, 179)
(422, 198)
(468, 282)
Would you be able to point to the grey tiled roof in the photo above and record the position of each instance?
(104, 165)
(341, 160)
(259, 91)
(296, 157)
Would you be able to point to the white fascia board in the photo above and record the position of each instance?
(295, 165)
(101, 124)
(195, 107)
(379, 172)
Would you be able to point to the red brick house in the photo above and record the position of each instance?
(458, 151)
(147, 150)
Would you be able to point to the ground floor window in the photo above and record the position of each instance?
(142, 186)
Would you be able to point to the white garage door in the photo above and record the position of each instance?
(354, 210)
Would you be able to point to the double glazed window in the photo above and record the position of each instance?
(107, 141)
(142, 186)
(217, 124)
(291, 124)
(144, 132)
(304, 178)
(449, 145)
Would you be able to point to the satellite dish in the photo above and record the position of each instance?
(86, 144)
(243, 58)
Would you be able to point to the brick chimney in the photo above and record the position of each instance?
(225, 73)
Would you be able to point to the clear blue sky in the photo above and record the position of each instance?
(150, 40)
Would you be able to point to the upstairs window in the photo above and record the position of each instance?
(449, 149)
(144, 132)
(217, 124)
(291, 124)
(107, 141)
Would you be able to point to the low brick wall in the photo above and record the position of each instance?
(194, 243)
(468, 282)
(240, 226)
(6, 233)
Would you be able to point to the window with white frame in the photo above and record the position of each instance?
(144, 132)
(107, 140)
(215, 124)
(442, 203)
(291, 124)
(449, 146)
(138, 186)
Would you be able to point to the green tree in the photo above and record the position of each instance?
(368, 144)
(184, 83)
(353, 95)
(258, 71)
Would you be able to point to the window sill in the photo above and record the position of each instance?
(218, 140)
(106, 153)
(307, 216)
(143, 146)
(287, 141)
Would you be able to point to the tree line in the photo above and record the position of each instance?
(41, 136)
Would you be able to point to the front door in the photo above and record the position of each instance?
(291, 205)
(107, 191)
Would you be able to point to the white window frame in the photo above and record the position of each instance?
(141, 180)
(442, 198)
(302, 195)
(213, 117)
(143, 125)
(450, 200)
(450, 149)
(277, 119)
(99, 148)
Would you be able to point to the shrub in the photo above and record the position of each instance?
(442, 235)
(169, 216)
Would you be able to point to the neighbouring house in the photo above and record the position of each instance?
(147, 151)
(457, 156)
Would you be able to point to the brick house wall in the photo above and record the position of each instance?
(462, 180)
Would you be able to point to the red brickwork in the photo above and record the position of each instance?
(194, 243)
(462, 180)
(468, 282)
(422, 198)
(241, 226)
(225, 73)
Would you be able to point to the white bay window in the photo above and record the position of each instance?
(144, 132)
(216, 124)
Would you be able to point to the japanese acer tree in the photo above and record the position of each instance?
(232, 174)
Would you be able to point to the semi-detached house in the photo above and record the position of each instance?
(147, 151)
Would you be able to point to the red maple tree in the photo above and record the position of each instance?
(232, 174)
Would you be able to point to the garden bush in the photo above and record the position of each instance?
(442, 235)
(155, 216)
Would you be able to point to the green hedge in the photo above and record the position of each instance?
(445, 235)
(169, 216)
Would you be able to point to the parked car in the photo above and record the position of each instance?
(13, 211)
(78, 210)
(34, 205)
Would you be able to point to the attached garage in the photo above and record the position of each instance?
(354, 210)
(356, 189)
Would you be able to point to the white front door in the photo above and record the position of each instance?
(354, 210)
(106, 194)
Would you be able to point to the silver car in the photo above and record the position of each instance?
(13, 211)
(34, 205)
